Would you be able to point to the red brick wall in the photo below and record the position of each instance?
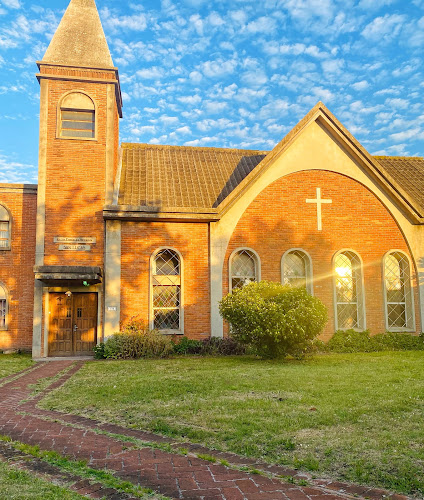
(279, 219)
(139, 241)
(16, 269)
(75, 186)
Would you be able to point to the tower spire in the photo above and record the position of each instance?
(80, 39)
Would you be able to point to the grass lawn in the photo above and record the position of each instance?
(357, 417)
(16, 484)
(12, 363)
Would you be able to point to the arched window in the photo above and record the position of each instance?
(167, 291)
(3, 307)
(399, 296)
(296, 269)
(77, 118)
(349, 294)
(244, 268)
(4, 229)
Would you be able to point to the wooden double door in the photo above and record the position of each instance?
(72, 324)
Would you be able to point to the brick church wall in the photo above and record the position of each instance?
(16, 267)
(139, 241)
(279, 219)
(76, 175)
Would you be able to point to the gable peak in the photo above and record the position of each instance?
(79, 39)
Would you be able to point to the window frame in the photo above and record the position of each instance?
(230, 265)
(9, 229)
(309, 271)
(3, 288)
(360, 303)
(60, 108)
(407, 329)
(151, 302)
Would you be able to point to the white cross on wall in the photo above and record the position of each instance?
(319, 201)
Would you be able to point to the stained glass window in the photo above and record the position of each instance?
(296, 269)
(4, 228)
(243, 268)
(399, 296)
(348, 289)
(167, 290)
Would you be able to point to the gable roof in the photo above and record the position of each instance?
(165, 179)
(80, 40)
(182, 177)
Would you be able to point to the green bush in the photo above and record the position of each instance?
(137, 341)
(275, 320)
(211, 346)
(188, 346)
(353, 341)
(99, 351)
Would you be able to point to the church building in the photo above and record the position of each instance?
(114, 231)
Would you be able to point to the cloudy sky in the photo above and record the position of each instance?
(230, 73)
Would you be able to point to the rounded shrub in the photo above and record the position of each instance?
(137, 341)
(275, 320)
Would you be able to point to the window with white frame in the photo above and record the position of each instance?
(297, 269)
(166, 290)
(4, 229)
(3, 308)
(244, 268)
(349, 296)
(398, 291)
(77, 117)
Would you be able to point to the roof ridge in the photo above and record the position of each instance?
(400, 157)
(140, 145)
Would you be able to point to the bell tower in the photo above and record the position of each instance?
(80, 107)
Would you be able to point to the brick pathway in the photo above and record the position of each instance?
(173, 475)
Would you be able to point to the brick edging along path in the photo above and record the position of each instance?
(171, 474)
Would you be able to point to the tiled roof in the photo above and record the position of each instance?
(200, 179)
(182, 177)
(408, 173)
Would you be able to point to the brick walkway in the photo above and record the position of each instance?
(171, 474)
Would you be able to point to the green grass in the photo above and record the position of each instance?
(13, 363)
(356, 417)
(16, 484)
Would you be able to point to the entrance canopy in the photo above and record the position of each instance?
(68, 275)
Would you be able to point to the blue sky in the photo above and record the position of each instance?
(230, 73)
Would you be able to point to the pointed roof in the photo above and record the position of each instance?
(207, 181)
(80, 40)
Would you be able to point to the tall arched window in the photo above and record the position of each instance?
(349, 294)
(167, 290)
(399, 296)
(3, 307)
(4, 229)
(77, 117)
(296, 269)
(244, 268)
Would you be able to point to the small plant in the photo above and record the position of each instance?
(137, 341)
(354, 341)
(99, 351)
(276, 320)
(188, 346)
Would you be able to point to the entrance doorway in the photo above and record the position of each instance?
(72, 324)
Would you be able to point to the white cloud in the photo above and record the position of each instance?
(384, 28)
(191, 100)
(262, 25)
(219, 68)
(333, 65)
(136, 22)
(375, 4)
(150, 73)
(362, 85)
(12, 4)
(196, 76)
(397, 103)
(406, 134)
